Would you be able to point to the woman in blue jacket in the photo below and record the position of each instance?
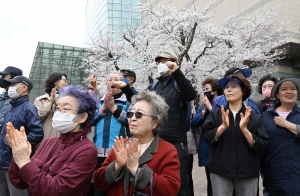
(282, 155)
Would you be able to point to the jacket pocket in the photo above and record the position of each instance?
(57, 167)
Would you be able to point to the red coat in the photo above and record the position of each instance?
(61, 166)
(160, 160)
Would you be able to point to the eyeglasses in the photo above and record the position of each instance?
(164, 60)
(63, 110)
(138, 115)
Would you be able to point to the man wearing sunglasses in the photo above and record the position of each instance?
(177, 91)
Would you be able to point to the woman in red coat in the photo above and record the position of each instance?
(144, 160)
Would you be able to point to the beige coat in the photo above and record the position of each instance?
(46, 112)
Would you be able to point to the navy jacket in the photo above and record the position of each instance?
(282, 155)
(22, 113)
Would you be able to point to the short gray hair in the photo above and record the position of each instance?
(115, 72)
(159, 107)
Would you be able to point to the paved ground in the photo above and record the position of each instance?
(199, 178)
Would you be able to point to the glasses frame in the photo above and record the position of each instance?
(138, 115)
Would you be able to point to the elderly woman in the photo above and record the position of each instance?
(64, 165)
(282, 155)
(145, 160)
(236, 137)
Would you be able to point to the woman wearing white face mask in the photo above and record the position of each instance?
(264, 88)
(64, 165)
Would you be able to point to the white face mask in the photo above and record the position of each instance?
(162, 68)
(12, 92)
(63, 122)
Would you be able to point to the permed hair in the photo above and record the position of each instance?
(214, 85)
(159, 108)
(263, 80)
(245, 85)
(50, 81)
(87, 102)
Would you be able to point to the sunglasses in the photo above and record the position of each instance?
(138, 115)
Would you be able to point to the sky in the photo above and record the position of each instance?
(24, 23)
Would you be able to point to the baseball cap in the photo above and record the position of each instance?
(23, 80)
(167, 54)
(245, 71)
(223, 81)
(128, 72)
(12, 70)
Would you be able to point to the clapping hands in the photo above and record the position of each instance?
(17, 140)
(126, 155)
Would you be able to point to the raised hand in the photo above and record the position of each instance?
(245, 118)
(172, 66)
(225, 118)
(53, 97)
(93, 81)
(206, 103)
(119, 84)
(133, 154)
(120, 153)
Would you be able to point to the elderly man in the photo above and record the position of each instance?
(177, 91)
(131, 78)
(110, 120)
(22, 113)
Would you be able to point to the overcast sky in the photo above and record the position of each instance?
(24, 23)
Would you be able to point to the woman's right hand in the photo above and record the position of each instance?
(53, 98)
(225, 118)
(120, 153)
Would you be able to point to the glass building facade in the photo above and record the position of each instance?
(51, 58)
(104, 16)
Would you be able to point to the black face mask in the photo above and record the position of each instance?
(209, 95)
(4, 83)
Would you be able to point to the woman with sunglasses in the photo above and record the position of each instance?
(144, 163)
(64, 165)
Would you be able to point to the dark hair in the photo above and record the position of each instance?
(245, 85)
(263, 80)
(50, 81)
(230, 71)
(87, 102)
(214, 85)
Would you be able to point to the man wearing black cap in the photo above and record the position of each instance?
(22, 113)
(131, 78)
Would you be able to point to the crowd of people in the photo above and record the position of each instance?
(88, 141)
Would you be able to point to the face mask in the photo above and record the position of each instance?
(12, 92)
(266, 93)
(63, 122)
(162, 68)
(209, 95)
(4, 83)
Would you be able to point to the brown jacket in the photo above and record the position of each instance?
(45, 112)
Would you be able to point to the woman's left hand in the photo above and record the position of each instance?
(21, 148)
(245, 119)
(133, 154)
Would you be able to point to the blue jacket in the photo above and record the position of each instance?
(108, 126)
(203, 147)
(221, 100)
(282, 155)
(22, 113)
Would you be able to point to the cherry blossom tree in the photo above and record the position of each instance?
(203, 49)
